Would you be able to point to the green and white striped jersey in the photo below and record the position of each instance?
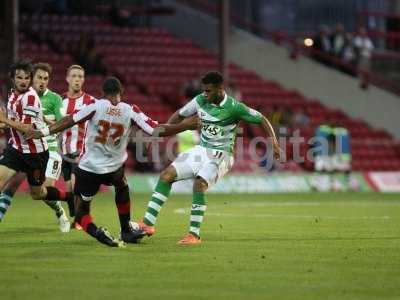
(51, 106)
(220, 122)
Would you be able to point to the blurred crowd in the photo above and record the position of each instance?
(352, 48)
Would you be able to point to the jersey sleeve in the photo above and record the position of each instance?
(86, 113)
(142, 121)
(92, 100)
(189, 109)
(58, 107)
(31, 109)
(248, 114)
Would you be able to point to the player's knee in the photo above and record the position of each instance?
(82, 207)
(200, 185)
(37, 194)
(168, 175)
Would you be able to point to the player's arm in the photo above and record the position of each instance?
(252, 116)
(175, 118)
(152, 127)
(83, 115)
(190, 123)
(23, 126)
(187, 110)
(61, 125)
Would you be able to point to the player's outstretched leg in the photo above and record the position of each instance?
(5, 203)
(158, 198)
(9, 191)
(129, 234)
(62, 218)
(196, 213)
(84, 218)
(51, 193)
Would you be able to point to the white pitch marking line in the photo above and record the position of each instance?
(266, 204)
(258, 204)
(184, 211)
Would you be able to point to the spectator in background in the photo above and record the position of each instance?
(348, 52)
(118, 15)
(338, 39)
(287, 117)
(322, 43)
(57, 7)
(300, 118)
(88, 57)
(324, 149)
(363, 49)
(187, 140)
(32, 6)
(348, 55)
(82, 7)
(281, 119)
(341, 160)
(275, 116)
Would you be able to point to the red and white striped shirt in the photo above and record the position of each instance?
(72, 138)
(26, 108)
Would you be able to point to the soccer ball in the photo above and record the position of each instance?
(134, 225)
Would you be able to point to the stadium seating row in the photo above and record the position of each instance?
(154, 65)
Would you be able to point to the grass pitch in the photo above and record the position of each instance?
(298, 246)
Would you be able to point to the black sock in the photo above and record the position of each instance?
(53, 194)
(87, 224)
(123, 202)
(69, 196)
(91, 229)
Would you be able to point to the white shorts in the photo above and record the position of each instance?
(323, 163)
(53, 169)
(209, 164)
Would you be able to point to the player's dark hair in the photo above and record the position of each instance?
(112, 86)
(42, 66)
(22, 64)
(213, 77)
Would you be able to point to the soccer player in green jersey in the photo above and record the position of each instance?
(51, 106)
(220, 115)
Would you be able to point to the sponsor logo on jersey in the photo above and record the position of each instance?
(212, 130)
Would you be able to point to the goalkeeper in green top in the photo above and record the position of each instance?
(51, 106)
(219, 115)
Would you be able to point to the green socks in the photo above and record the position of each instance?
(197, 213)
(160, 195)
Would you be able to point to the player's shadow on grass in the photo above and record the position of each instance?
(23, 230)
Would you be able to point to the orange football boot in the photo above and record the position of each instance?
(149, 230)
(190, 239)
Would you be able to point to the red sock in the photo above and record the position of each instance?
(62, 194)
(85, 221)
(124, 208)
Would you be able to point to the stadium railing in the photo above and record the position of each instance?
(296, 47)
